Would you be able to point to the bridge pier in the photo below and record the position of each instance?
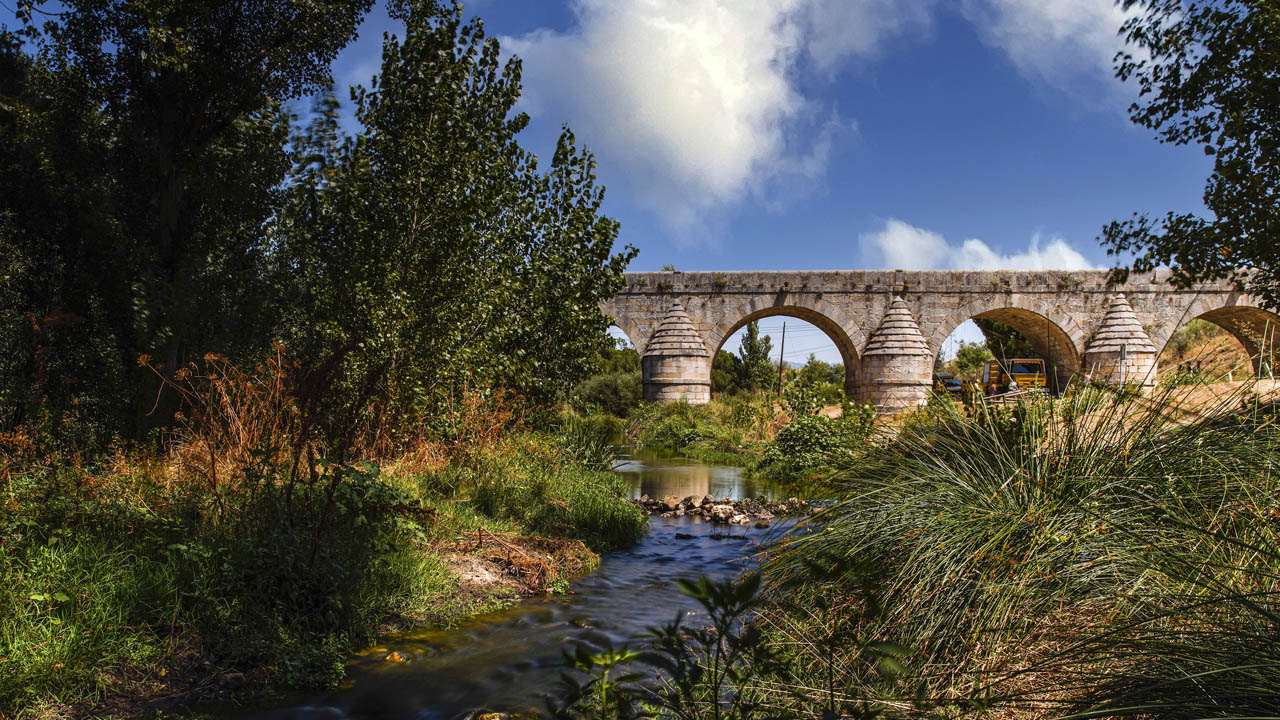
(676, 365)
(1120, 351)
(897, 365)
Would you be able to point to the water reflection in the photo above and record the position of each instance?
(658, 477)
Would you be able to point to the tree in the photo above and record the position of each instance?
(756, 371)
(433, 243)
(1208, 72)
(969, 359)
(142, 146)
(816, 371)
(1003, 341)
(725, 371)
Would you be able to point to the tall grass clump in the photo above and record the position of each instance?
(731, 430)
(1006, 543)
(540, 484)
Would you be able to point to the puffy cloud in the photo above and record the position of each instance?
(695, 102)
(697, 105)
(900, 245)
(1069, 44)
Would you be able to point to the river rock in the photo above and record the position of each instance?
(671, 502)
(708, 500)
(739, 519)
(721, 513)
(396, 657)
(762, 524)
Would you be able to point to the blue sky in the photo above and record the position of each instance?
(833, 134)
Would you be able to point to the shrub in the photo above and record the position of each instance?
(538, 491)
(615, 393)
(812, 443)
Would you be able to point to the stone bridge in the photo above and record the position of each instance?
(889, 325)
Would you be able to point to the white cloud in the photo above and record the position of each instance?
(900, 245)
(697, 105)
(1068, 44)
(695, 102)
(840, 30)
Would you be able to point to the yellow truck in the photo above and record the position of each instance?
(1013, 375)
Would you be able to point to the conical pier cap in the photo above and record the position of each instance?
(898, 333)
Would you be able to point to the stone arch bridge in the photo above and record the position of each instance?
(889, 325)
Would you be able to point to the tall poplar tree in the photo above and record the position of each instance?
(433, 242)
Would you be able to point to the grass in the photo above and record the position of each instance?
(145, 574)
(1086, 555)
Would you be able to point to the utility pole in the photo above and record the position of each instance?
(782, 354)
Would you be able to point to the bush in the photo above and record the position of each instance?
(728, 430)
(532, 483)
(615, 393)
(100, 582)
(812, 443)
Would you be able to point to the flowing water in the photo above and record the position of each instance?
(511, 659)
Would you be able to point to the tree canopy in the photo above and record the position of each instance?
(159, 200)
(1208, 74)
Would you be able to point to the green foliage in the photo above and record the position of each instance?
(755, 370)
(1208, 75)
(1194, 332)
(810, 444)
(672, 427)
(970, 358)
(726, 370)
(729, 430)
(1004, 341)
(157, 201)
(817, 372)
(433, 242)
(100, 583)
(141, 151)
(615, 393)
(1101, 534)
(620, 359)
(537, 490)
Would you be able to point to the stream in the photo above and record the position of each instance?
(509, 660)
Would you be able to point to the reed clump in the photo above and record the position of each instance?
(1093, 555)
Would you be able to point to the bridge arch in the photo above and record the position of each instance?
(627, 323)
(1254, 327)
(1057, 337)
(828, 319)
